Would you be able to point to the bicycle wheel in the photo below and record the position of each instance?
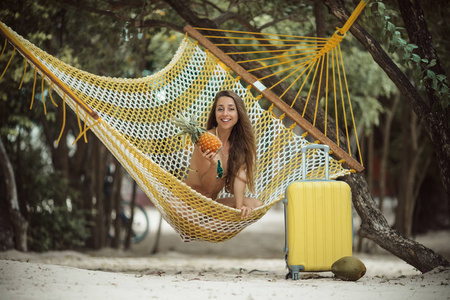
(140, 224)
(139, 228)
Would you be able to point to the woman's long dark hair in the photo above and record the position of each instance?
(242, 142)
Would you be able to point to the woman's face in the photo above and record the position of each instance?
(226, 112)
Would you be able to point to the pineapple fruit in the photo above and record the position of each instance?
(198, 135)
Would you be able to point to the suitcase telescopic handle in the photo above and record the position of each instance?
(325, 148)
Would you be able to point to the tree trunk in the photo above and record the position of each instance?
(385, 154)
(60, 154)
(20, 225)
(129, 225)
(99, 239)
(374, 225)
(319, 13)
(403, 175)
(435, 122)
(370, 177)
(117, 203)
(412, 174)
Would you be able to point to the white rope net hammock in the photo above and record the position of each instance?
(132, 118)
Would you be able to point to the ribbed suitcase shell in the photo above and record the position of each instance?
(319, 224)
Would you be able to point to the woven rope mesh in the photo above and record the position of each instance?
(136, 128)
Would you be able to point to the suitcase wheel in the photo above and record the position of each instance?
(294, 275)
(289, 275)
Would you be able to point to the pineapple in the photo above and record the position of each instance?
(198, 135)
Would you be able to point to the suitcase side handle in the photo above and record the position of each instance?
(325, 148)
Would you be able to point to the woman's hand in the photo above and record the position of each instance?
(210, 156)
(246, 212)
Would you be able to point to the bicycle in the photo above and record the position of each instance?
(140, 226)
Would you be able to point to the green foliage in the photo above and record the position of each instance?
(51, 226)
(109, 46)
(56, 228)
(167, 43)
(368, 84)
(49, 198)
(408, 57)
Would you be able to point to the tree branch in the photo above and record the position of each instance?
(418, 33)
(433, 122)
(374, 224)
(158, 23)
(84, 7)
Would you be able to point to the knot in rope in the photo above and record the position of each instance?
(331, 43)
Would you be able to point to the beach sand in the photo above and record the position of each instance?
(249, 266)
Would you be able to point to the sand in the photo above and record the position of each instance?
(250, 266)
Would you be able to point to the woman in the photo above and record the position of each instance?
(232, 166)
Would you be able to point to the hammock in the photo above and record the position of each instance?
(132, 118)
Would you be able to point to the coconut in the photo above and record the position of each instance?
(348, 268)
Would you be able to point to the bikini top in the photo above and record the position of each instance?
(219, 170)
(219, 165)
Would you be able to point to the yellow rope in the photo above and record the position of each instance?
(273, 51)
(318, 89)
(268, 45)
(78, 118)
(316, 57)
(325, 46)
(278, 64)
(42, 95)
(310, 66)
(85, 127)
(38, 64)
(335, 100)
(291, 128)
(261, 39)
(50, 93)
(64, 120)
(313, 63)
(259, 33)
(331, 44)
(312, 84)
(24, 73)
(83, 133)
(351, 109)
(273, 57)
(34, 88)
(7, 65)
(290, 74)
(4, 47)
(342, 100)
(353, 17)
(326, 97)
(287, 69)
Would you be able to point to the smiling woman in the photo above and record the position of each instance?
(233, 164)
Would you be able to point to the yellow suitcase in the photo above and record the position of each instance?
(318, 222)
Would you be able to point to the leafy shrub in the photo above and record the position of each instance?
(57, 228)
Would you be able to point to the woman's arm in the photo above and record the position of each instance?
(207, 169)
(239, 188)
